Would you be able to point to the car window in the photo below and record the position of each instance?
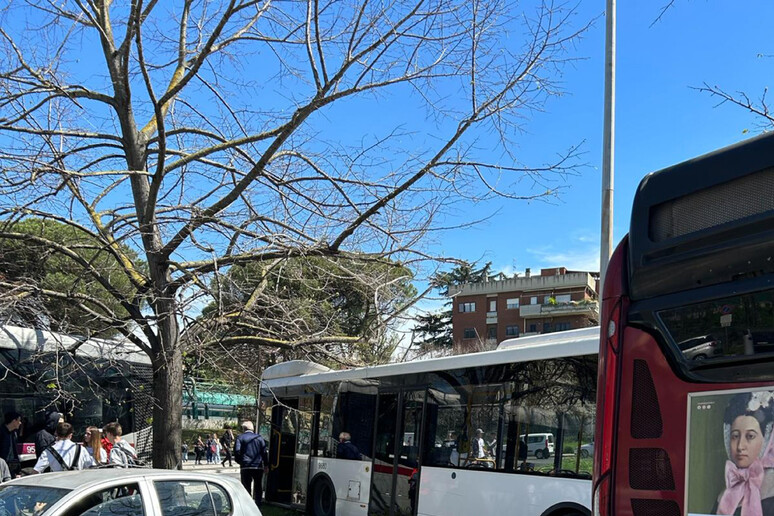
(28, 500)
(190, 498)
(220, 499)
(121, 500)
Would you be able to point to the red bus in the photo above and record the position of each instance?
(685, 395)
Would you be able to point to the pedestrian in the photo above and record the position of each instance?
(122, 454)
(5, 473)
(209, 449)
(199, 450)
(92, 441)
(9, 436)
(106, 444)
(185, 452)
(44, 437)
(227, 443)
(345, 448)
(216, 443)
(253, 459)
(63, 454)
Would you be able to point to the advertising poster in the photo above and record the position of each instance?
(730, 462)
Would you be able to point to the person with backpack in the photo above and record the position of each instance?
(5, 473)
(45, 436)
(253, 458)
(122, 454)
(210, 449)
(64, 454)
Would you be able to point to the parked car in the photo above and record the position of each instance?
(539, 445)
(587, 450)
(700, 348)
(126, 492)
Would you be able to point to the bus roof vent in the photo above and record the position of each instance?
(292, 368)
(720, 204)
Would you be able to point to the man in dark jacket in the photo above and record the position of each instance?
(345, 449)
(253, 458)
(9, 436)
(44, 437)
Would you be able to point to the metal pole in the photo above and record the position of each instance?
(608, 144)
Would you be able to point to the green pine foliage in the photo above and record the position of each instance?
(38, 268)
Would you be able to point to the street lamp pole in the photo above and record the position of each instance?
(608, 143)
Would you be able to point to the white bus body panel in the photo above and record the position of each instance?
(480, 492)
(351, 480)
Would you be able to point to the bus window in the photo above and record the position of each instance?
(326, 444)
(354, 415)
(531, 417)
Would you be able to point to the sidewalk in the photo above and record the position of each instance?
(212, 468)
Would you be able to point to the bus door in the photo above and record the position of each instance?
(282, 451)
(395, 478)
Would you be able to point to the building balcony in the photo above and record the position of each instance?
(557, 310)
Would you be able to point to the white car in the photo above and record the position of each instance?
(587, 450)
(539, 445)
(126, 492)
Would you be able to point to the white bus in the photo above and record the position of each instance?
(413, 426)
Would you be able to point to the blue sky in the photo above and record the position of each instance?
(660, 120)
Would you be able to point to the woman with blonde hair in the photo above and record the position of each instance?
(93, 442)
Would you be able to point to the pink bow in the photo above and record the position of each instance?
(742, 485)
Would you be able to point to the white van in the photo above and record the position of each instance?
(539, 445)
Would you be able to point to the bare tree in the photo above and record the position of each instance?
(199, 134)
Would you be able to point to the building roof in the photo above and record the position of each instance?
(526, 284)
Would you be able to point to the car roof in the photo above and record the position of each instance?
(95, 476)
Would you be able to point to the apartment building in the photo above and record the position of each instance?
(486, 313)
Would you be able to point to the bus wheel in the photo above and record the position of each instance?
(539, 454)
(323, 498)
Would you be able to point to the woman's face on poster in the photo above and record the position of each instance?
(746, 441)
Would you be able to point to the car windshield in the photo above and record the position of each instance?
(28, 500)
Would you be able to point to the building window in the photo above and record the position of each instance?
(533, 300)
(546, 300)
(491, 332)
(564, 298)
(532, 328)
(562, 326)
(470, 333)
(492, 305)
(546, 327)
(512, 331)
(512, 303)
(467, 307)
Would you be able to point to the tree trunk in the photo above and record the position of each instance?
(168, 394)
(167, 372)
